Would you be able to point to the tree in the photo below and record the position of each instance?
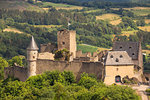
(3, 64)
(63, 55)
(2, 24)
(31, 1)
(140, 22)
(10, 21)
(87, 81)
(69, 77)
(16, 60)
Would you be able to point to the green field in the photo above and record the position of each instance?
(95, 10)
(47, 26)
(141, 12)
(88, 48)
(58, 6)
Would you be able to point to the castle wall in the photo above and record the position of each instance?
(17, 72)
(122, 71)
(73, 43)
(46, 55)
(77, 68)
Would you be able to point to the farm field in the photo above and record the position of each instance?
(139, 11)
(88, 48)
(109, 16)
(114, 19)
(116, 22)
(128, 33)
(46, 5)
(21, 5)
(47, 26)
(147, 21)
(145, 28)
(95, 10)
(10, 29)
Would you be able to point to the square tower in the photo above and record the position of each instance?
(67, 39)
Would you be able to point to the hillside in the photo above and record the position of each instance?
(19, 4)
(116, 0)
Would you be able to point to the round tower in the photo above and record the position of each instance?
(32, 52)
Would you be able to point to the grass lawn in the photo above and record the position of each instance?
(88, 48)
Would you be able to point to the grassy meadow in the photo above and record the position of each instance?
(88, 48)
(128, 33)
(114, 19)
(145, 28)
(46, 5)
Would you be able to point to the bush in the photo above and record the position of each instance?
(87, 82)
(69, 77)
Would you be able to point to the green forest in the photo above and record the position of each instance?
(57, 85)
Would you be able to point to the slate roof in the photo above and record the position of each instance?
(33, 45)
(118, 58)
(132, 48)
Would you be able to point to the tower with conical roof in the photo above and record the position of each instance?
(32, 52)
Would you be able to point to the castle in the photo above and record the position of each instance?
(110, 67)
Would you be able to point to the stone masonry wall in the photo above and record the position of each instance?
(77, 68)
(17, 72)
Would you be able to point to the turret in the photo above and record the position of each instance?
(32, 52)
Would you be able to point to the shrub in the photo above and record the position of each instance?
(69, 77)
(87, 82)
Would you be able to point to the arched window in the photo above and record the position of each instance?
(117, 79)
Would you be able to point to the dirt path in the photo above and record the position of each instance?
(141, 89)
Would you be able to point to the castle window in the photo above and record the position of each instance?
(117, 69)
(121, 56)
(130, 47)
(63, 43)
(33, 56)
(117, 60)
(133, 54)
(121, 47)
(111, 56)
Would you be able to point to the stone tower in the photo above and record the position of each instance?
(32, 52)
(67, 39)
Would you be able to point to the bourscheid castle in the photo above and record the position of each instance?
(125, 59)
